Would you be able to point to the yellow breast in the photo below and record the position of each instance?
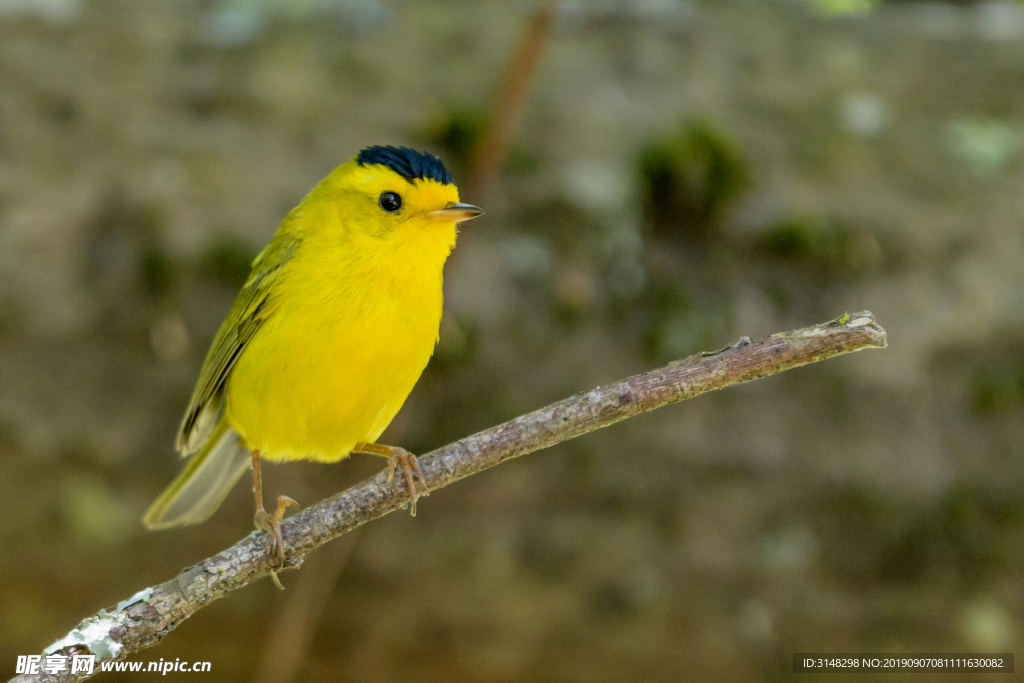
(354, 326)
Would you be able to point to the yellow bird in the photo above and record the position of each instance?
(327, 337)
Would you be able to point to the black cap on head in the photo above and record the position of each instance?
(406, 162)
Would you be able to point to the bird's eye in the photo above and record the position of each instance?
(390, 202)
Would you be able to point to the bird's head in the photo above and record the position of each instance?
(399, 196)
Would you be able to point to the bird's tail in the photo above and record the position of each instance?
(202, 486)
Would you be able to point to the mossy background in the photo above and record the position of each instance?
(685, 173)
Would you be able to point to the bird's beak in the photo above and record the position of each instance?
(455, 211)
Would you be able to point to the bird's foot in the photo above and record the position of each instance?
(271, 525)
(399, 457)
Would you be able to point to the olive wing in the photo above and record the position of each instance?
(254, 304)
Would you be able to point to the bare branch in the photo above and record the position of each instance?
(143, 621)
(510, 98)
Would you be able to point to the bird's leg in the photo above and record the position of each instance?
(271, 524)
(398, 457)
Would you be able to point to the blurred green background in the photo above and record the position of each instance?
(683, 173)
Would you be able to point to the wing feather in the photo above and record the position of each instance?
(254, 304)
